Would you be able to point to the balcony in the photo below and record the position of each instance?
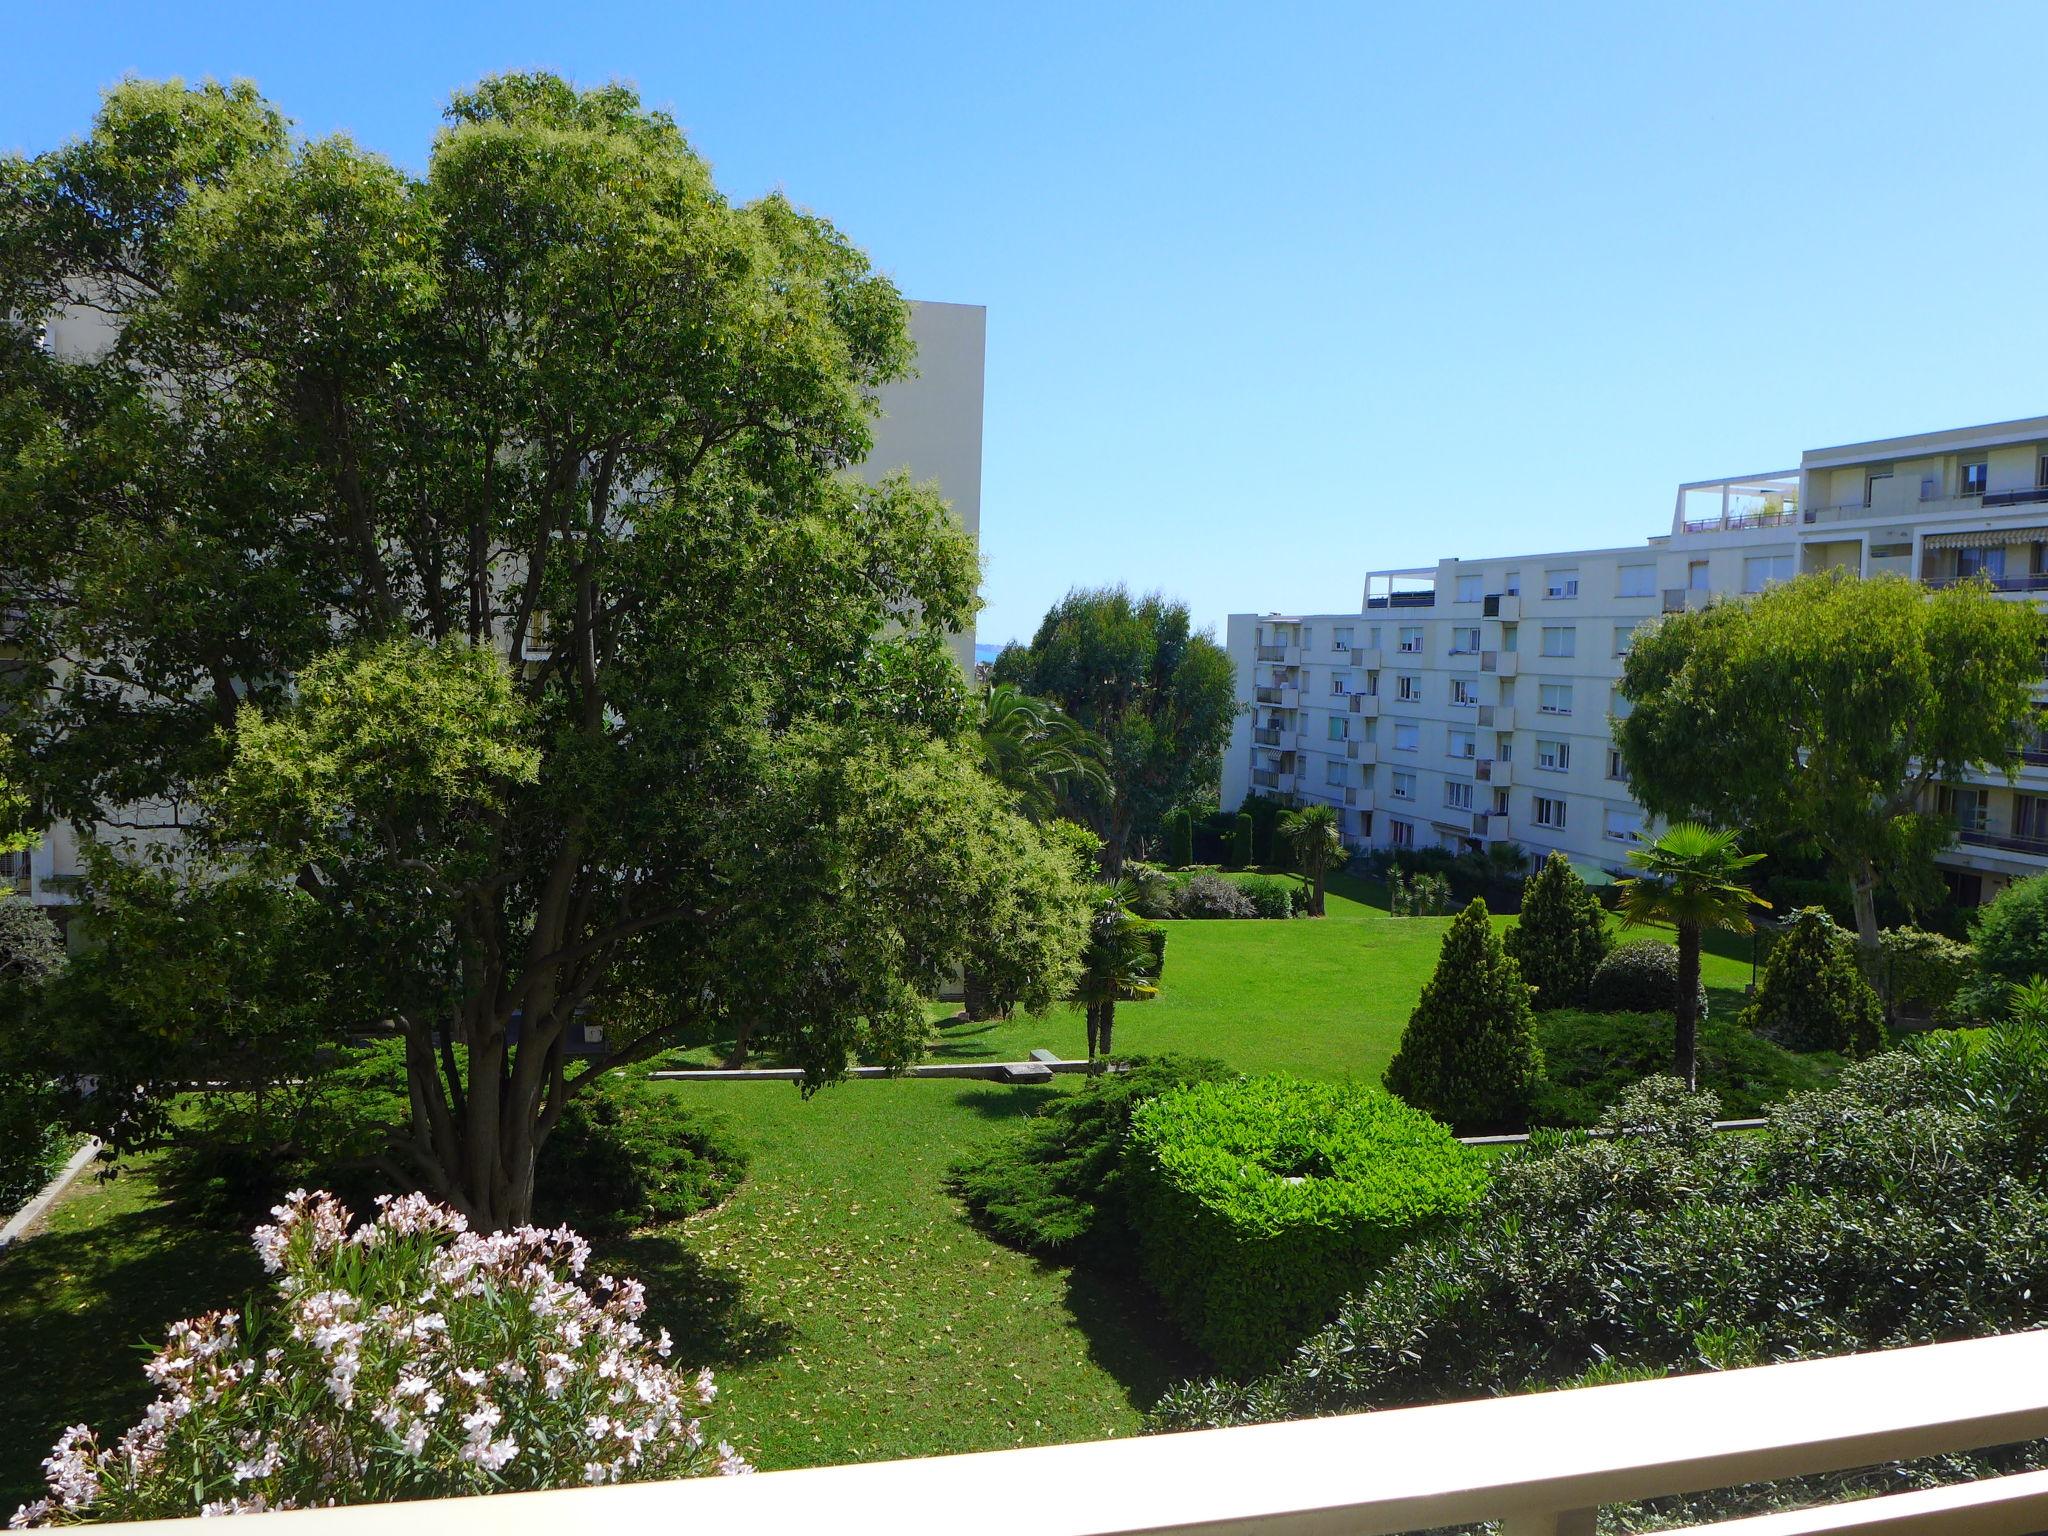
(1499, 717)
(1265, 778)
(1267, 736)
(1494, 770)
(1362, 751)
(1987, 835)
(1269, 653)
(1500, 663)
(1403, 600)
(1266, 694)
(1290, 698)
(1366, 705)
(1486, 824)
(1367, 657)
(1505, 606)
(2037, 582)
(1684, 599)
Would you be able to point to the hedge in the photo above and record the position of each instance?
(1260, 1203)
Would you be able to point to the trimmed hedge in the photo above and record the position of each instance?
(1260, 1203)
(1180, 838)
(1640, 976)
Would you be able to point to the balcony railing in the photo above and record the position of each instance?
(1741, 520)
(1537, 1463)
(2009, 842)
(2016, 498)
(2037, 582)
(1270, 652)
(1266, 695)
(1267, 737)
(1265, 778)
(1403, 600)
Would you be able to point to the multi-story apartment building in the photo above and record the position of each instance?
(1469, 702)
(930, 424)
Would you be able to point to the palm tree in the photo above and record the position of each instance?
(1692, 880)
(1120, 964)
(1037, 751)
(1312, 833)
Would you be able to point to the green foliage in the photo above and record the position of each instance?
(1057, 1184)
(477, 546)
(1311, 835)
(1180, 838)
(31, 948)
(1272, 896)
(1561, 936)
(1426, 893)
(1821, 711)
(1924, 973)
(1242, 836)
(629, 1155)
(1591, 1059)
(1039, 753)
(1159, 695)
(1260, 1202)
(1640, 976)
(2010, 935)
(1812, 996)
(1665, 1247)
(1468, 1055)
(1210, 895)
(33, 1142)
(1265, 813)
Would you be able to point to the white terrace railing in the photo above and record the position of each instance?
(1540, 1463)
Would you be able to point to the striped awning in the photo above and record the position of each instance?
(1986, 538)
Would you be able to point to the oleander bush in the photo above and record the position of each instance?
(408, 1358)
(1055, 1185)
(1640, 976)
(1260, 1202)
(1812, 995)
(1591, 1059)
(1661, 1247)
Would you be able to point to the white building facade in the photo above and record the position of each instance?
(1469, 702)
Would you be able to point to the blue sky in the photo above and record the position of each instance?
(1278, 294)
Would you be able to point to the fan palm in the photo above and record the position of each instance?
(1312, 833)
(1038, 752)
(1120, 964)
(1691, 880)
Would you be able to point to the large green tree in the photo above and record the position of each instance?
(1820, 713)
(1038, 752)
(1159, 695)
(476, 553)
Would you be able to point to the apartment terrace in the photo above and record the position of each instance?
(1738, 503)
(1542, 1464)
(1414, 587)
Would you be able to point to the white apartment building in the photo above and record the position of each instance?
(1468, 702)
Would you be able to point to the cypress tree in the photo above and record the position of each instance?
(1238, 849)
(1812, 995)
(1469, 1056)
(1562, 935)
(1180, 838)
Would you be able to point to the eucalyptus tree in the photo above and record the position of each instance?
(473, 555)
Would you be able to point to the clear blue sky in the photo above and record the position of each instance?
(1280, 293)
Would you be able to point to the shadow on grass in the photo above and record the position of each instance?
(1004, 1103)
(81, 1310)
(1128, 1334)
(703, 1305)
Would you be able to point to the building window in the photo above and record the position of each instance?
(1874, 484)
(1465, 692)
(1465, 641)
(1407, 736)
(1504, 746)
(1623, 826)
(1471, 589)
(1554, 699)
(1696, 576)
(1340, 639)
(1759, 571)
(1408, 688)
(1307, 637)
(1335, 772)
(1617, 770)
(1619, 704)
(1561, 583)
(1974, 477)
(1340, 727)
(1458, 794)
(1411, 639)
(1500, 802)
(1560, 640)
(1636, 581)
(1340, 682)
(1401, 833)
(1372, 685)
(1404, 786)
(1981, 562)
(1553, 756)
(1624, 634)
(1549, 813)
(1512, 585)
(1462, 744)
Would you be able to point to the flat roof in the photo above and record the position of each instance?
(1987, 435)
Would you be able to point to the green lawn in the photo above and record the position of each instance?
(851, 1311)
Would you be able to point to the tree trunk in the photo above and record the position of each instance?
(1863, 893)
(1094, 1026)
(1688, 1010)
(1315, 900)
(1108, 1026)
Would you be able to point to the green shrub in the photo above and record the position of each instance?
(1923, 972)
(1260, 1202)
(1812, 996)
(2010, 935)
(1830, 1231)
(1468, 1055)
(1272, 896)
(1561, 937)
(632, 1154)
(1180, 838)
(30, 945)
(33, 1142)
(1055, 1185)
(1265, 814)
(1156, 893)
(1640, 976)
(1243, 833)
(1210, 895)
(1591, 1059)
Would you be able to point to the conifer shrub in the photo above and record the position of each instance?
(1259, 1203)
(1812, 995)
(1180, 838)
(1242, 835)
(1640, 976)
(1561, 937)
(1468, 1055)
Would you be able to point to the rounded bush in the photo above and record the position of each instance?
(1272, 896)
(1261, 1202)
(1210, 895)
(632, 1155)
(1640, 976)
